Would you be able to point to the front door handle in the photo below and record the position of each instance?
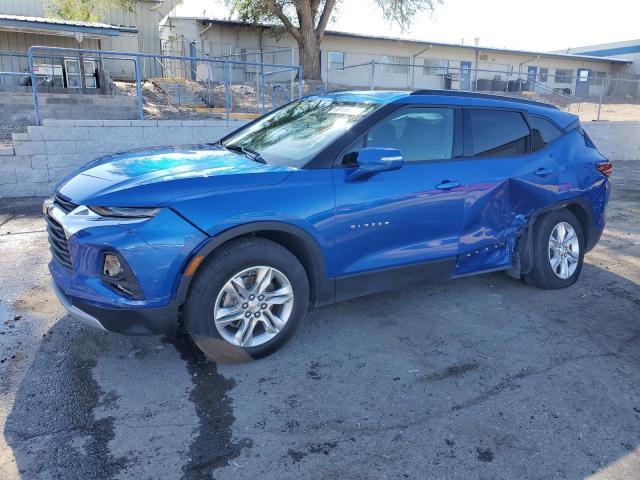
(447, 185)
(541, 172)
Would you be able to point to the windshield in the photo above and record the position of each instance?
(292, 135)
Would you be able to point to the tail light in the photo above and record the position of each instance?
(605, 168)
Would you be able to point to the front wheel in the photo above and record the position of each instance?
(558, 251)
(247, 301)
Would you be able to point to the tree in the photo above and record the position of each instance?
(307, 20)
(84, 10)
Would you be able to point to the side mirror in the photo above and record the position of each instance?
(375, 159)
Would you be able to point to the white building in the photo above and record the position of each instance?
(23, 23)
(433, 64)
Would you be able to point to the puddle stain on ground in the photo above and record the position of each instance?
(456, 370)
(49, 415)
(214, 446)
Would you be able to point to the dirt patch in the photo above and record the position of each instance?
(38, 300)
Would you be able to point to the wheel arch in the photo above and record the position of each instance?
(524, 249)
(297, 240)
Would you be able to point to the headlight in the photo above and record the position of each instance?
(125, 212)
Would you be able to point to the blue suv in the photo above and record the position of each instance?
(328, 198)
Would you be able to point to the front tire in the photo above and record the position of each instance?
(247, 301)
(558, 251)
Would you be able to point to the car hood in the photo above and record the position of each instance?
(156, 176)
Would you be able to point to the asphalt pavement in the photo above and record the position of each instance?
(481, 377)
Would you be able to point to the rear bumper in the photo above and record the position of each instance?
(127, 321)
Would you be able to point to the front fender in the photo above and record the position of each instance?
(299, 241)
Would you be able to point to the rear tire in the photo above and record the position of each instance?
(558, 251)
(247, 301)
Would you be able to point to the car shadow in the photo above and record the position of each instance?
(479, 376)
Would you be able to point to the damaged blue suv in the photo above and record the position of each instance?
(325, 199)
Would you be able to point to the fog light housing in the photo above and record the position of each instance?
(111, 267)
(116, 274)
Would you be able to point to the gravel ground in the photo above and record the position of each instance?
(480, 377)
(612, 110)
(6, 130)
(157, 105)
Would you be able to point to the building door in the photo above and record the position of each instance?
(532, 74)
(465, 75)
(582, 82)
(193, 52)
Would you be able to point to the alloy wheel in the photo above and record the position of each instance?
(564, 250)
(253, 306)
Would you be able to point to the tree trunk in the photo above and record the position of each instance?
(309, 48)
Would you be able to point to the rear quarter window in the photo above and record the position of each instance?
(498, 133)
(543, 132)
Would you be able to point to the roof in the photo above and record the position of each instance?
(448, 97)
(565, 56)
(612, 49)
(56, 25)
(483, 96)
(602, 52)
(366, 96)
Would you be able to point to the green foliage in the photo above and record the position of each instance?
(403, 11)
(84, 10)
(306, 20)
(270, 11)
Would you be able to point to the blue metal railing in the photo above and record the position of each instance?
(80, 55)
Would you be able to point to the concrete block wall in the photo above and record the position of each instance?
(616, 140)
(44, 155)
(17, 107)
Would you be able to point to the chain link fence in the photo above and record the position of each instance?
(599, 96)
(209, 80)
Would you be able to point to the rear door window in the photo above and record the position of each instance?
(498, 133)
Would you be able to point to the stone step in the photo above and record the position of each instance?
(6, 151)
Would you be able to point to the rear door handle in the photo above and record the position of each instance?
(543, 171)
(447, 185)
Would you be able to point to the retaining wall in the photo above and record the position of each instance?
(17, 107)
(44, 155)
(616, 140)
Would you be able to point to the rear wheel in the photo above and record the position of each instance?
(558, 251)
(247, 301)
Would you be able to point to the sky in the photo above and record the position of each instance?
(539, 25)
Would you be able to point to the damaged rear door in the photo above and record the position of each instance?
(506, 182)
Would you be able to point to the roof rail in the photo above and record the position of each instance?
(458, 93)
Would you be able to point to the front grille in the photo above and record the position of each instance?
(57, 239)
(64, 204)
(58, 242)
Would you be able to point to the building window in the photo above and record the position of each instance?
(563, 76)
(433, 66)
(336, 60)
(544, 73)
(597, 78)
(395, 64)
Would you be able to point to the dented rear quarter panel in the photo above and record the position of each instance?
(503, 194)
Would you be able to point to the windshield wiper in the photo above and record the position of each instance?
(247, 152)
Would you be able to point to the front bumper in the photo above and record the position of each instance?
(156, 250)
(127, 321)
